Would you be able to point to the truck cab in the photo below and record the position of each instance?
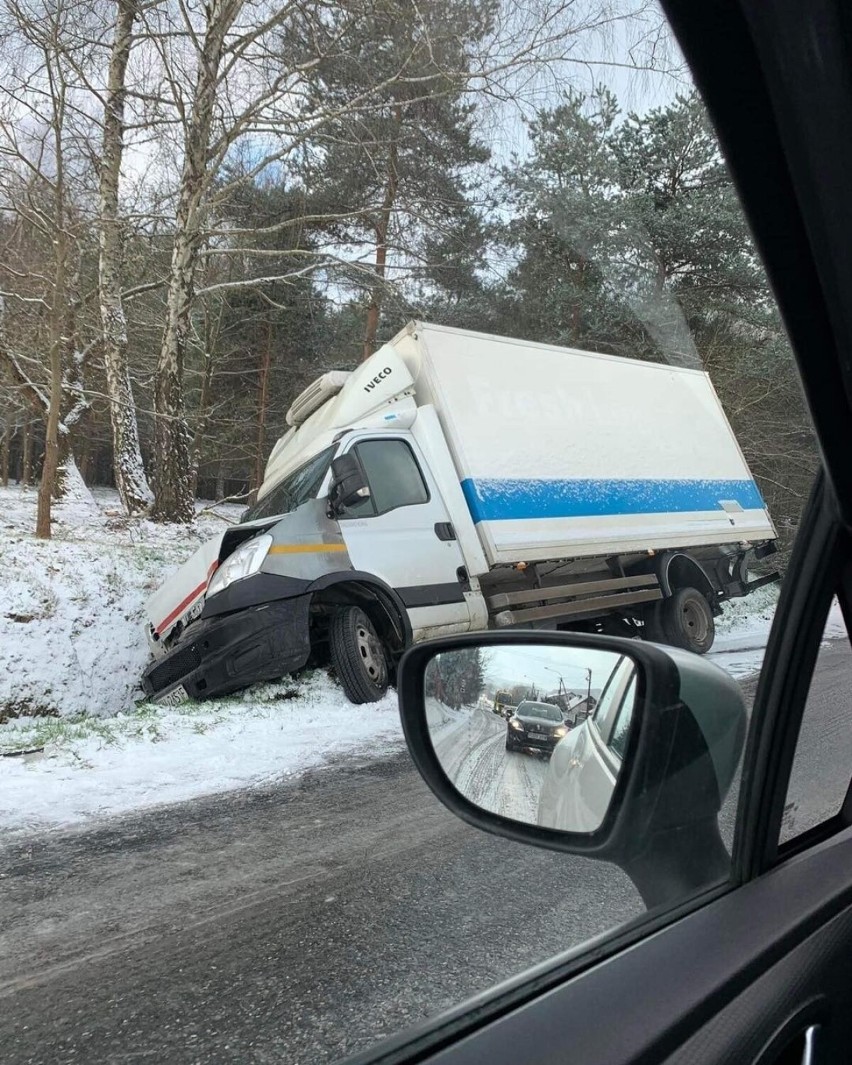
(350, 554)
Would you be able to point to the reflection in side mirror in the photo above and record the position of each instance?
(528, 763)
(602, 747)
(348, 482)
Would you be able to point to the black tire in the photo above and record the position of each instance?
(358, 656)
(688, 621)
(510, 746)
(652, 620)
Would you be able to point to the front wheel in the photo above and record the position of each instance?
(358, 657)
(688, 621)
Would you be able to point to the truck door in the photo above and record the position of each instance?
(402, 533)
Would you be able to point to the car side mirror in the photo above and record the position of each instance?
(639, 783)
(348, 483)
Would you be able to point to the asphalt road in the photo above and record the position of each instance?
(299, 923)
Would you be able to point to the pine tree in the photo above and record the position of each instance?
(396, 174)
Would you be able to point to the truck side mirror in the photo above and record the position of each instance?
(348, 483)
(639, 783)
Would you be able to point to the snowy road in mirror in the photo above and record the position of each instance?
(475, 759)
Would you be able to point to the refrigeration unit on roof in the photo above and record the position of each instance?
(315, 395)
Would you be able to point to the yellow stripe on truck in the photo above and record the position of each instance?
(301, 549)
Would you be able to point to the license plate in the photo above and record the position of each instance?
(175, 697)
(537, 735)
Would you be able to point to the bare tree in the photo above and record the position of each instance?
(128, 467)
(39, 162)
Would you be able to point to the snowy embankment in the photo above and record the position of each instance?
(72, 648)
(742, 631)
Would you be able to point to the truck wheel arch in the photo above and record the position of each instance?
(379, 601)
(677, 569)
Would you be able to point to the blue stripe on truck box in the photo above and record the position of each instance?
(507, 500)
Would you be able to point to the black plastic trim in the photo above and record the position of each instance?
(782, 690)
(252, 591)
(378, 587)
(224, 654)
(431, 594)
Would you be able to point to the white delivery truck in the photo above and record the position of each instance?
(456, 481)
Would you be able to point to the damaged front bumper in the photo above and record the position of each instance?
(222, 654)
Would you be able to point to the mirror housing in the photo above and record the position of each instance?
(685, 742)
(348, 483)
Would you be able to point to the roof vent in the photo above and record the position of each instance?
(315, 395)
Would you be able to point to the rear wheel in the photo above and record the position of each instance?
(688, 621)
(358, 656)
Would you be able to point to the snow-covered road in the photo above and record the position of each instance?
(475, 758)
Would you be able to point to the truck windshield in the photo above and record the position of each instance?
(296, 488)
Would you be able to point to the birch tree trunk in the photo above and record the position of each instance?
(173, 499)
(50, 466)
(204, 408)
(58, 321)
(128, 467)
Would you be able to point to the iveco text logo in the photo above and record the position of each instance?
(382, 373)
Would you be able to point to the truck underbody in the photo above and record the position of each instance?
(618, 593)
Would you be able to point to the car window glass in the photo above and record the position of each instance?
(822, 765)
(618, 739)
(277, 839)
(544, 710)
(393, 475)
(296, 488)
(610, 701)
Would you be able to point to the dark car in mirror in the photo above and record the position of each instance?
(639, 782)
(535, 726)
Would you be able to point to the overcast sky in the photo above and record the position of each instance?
(542, 665)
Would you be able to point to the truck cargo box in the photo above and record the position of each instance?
(569, 453)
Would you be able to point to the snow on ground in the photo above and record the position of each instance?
(743, 630)
(71, 635)
(111, 766)
(471, 748)
(72, 648)
(442, 720)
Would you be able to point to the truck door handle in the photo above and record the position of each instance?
(444, 530)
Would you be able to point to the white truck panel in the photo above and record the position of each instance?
(567, 453)
(378, 395)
